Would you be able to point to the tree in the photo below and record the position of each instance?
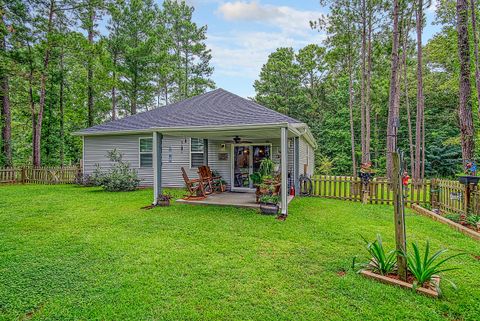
(190, 55)
(473, 7)
(135, 22)
(393, 107)
(420, 128)
(279, 84)
(465, 104)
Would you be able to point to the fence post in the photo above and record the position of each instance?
(23, 175)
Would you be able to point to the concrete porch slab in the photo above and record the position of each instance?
(242, 200)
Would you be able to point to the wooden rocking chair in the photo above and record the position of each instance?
(195, 187)
(212, 183)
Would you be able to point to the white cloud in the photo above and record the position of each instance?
(244, 53)
(241, 53)
(286, 18)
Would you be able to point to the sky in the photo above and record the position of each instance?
(241, 35)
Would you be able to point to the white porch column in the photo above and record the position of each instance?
(296, 164)
(157, 165)
(284, 168)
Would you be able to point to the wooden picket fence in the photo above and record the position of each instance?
(39, 175)
(379, 190)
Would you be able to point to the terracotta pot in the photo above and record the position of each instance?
(269, 209)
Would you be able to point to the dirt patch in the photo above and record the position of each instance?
(341, 273)
(477, 257)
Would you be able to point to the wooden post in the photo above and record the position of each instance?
(399, 210)
(467, 202)
(24, 175)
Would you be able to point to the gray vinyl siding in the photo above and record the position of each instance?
(307, 157)
(176, 154)
(96, 148)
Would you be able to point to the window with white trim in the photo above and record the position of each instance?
(197, 152)
(146, 152)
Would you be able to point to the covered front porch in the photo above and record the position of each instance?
(240, 200)
(221, 155)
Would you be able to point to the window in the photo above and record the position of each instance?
(197, 152)
(146, 152)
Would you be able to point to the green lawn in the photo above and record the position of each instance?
(81, 253)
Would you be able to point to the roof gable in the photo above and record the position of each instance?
(215, 108)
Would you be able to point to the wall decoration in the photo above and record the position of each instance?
(222, 156)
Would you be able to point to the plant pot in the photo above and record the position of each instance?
(163, 203)
(467, 179)
(269, 209)
(223, 187)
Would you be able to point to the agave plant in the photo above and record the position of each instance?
(382, 262)
(425, 267)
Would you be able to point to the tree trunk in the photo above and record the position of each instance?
(363, 56)
(465, 103)
(475, 44)
(407, 101)
(43, 82)
(30, 95)
(368, 89)
(91, 112)
(5, 112)
(393, 97)
(114, 94)
(62, 113)
(350, 104)
(420, 98)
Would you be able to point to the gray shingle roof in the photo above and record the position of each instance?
(215, 108)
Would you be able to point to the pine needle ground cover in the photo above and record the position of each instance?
(81, 253)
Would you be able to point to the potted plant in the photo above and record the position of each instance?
(269, 204)
(164, 199)
(223, 185)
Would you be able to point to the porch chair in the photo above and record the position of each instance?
(212, 183)
(195, 187)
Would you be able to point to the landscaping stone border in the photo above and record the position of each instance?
(460, 228)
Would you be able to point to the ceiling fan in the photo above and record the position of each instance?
(237, 140)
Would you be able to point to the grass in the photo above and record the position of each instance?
(81, 253)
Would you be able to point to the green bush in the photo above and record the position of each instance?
(118, 178)
(381, 262)
(424, 267)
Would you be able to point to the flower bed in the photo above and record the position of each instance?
(393, 279)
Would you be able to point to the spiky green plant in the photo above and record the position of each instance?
(425, 267)
(382, 262)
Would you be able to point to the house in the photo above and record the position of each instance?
(229, 133)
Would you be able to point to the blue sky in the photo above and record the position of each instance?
(241, 35)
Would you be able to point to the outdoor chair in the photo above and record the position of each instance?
(195, 187)
(211, 183)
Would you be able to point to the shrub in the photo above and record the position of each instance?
(118, 178)
(425, 267)
(84, 180)
(381, 262)
(453, 217)
(473, 219)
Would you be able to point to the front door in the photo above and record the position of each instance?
(245, 161)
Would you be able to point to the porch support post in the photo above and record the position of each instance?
(296, 164)
(284, 168)
(157, 165)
